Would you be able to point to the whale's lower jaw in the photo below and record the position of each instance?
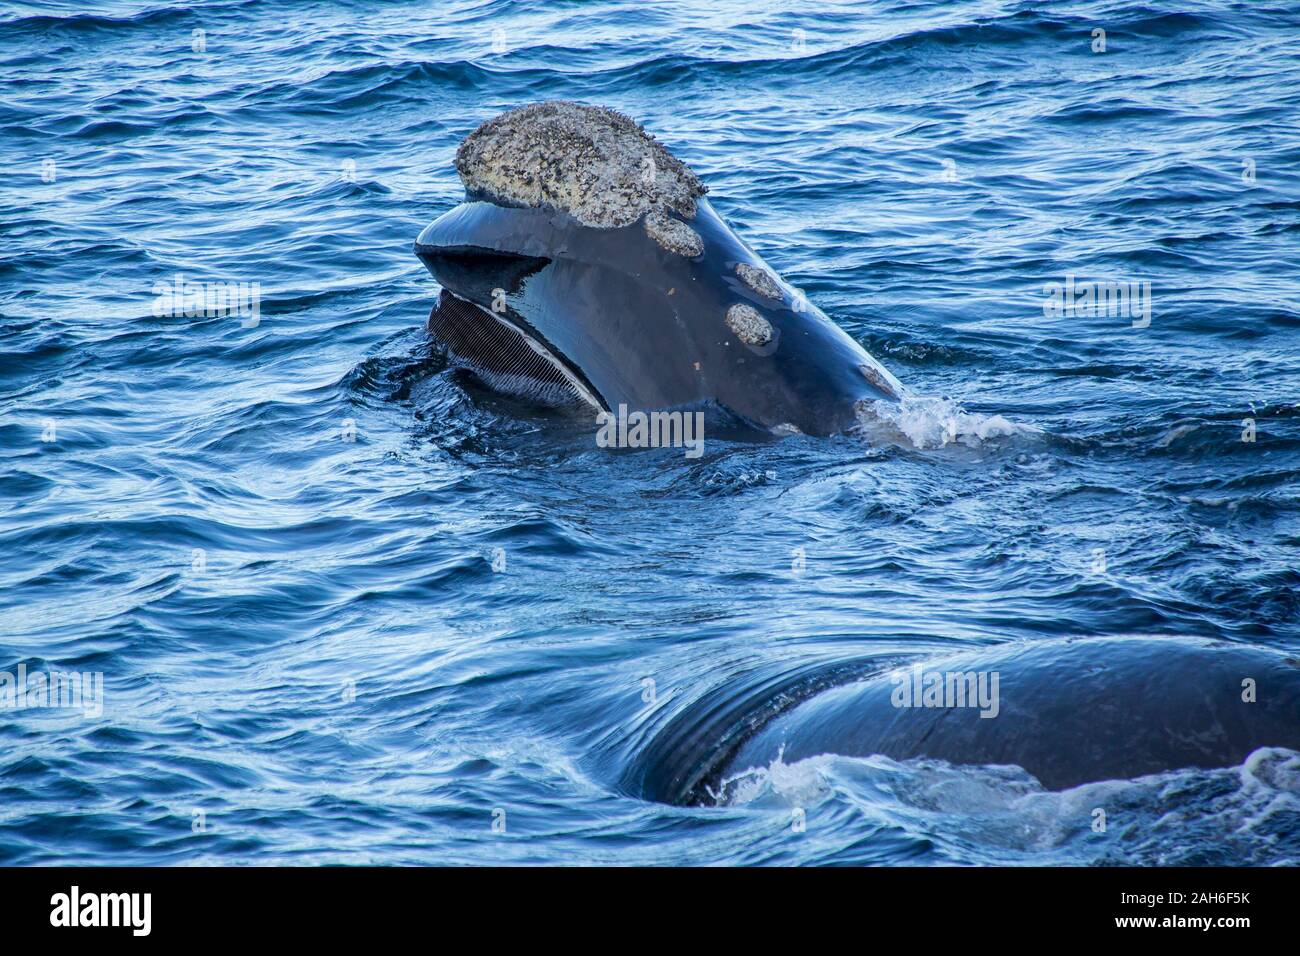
(1068, 712)
(505, 357)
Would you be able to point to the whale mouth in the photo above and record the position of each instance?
(506, 357)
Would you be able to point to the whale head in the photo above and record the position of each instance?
(586, 265)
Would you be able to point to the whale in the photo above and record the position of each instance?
(587, 268)
(1066, 711)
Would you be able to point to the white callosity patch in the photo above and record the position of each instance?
(750, 327)
(674, 235)
(759, 279)
(879, 376)
(594, 163)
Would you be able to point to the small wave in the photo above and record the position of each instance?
(92, 22)
(338, 90)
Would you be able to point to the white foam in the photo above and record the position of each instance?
(798, 784)
(1166, 818)
(931, 422)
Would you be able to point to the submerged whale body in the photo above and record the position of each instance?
(586, 266)
(1068, 712)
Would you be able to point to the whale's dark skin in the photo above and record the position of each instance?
(1070, 712)
(636, 324)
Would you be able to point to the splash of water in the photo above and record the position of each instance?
(927, 421)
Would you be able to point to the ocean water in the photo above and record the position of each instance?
(350, 608)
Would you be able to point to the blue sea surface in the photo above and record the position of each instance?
(351, 608)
